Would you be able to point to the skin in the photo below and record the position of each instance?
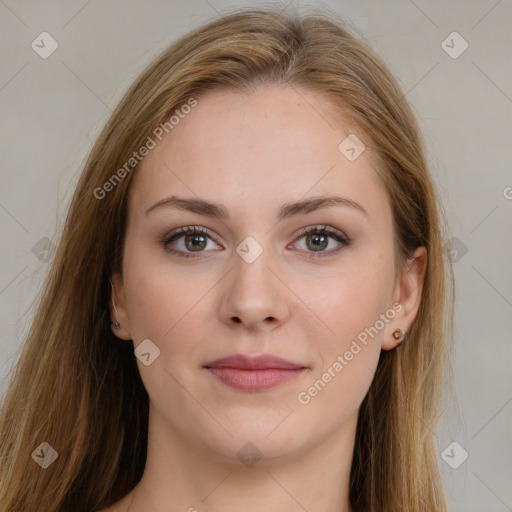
(252, 153)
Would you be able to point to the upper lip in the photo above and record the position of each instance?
(263, 362)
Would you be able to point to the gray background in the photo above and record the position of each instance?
(52, 109)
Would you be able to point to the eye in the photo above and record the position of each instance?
(191, 241)
(317, 240)
(195, 240)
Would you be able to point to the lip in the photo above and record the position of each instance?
(254, 373)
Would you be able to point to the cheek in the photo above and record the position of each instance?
(348, 355)
(349, 304)
(350, 299)
(166, 304)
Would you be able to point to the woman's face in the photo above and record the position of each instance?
(253, 283)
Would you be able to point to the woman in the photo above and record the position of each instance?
(247, 305)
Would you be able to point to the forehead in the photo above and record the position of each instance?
(276, 144)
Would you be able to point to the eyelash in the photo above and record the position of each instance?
(197, 230)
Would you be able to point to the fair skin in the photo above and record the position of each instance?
(253, 153)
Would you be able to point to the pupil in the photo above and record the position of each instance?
(316, 242)
(196, 240)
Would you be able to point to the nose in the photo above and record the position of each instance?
(254, 296)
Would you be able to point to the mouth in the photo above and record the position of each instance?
(254, 373)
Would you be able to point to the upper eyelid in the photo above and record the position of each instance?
(177, 233)
(321, 227)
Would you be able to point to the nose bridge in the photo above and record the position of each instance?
(254, 294)
(251, 275)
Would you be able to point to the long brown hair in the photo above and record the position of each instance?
(77, 387)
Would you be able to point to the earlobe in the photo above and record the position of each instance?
(408, 294)
(118, 315)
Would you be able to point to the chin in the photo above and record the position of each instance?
(263, 439)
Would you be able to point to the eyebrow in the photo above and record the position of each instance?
(287, 210)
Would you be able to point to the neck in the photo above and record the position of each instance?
(184, 477)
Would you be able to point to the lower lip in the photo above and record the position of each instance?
(254, 380)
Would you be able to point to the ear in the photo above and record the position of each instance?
(118, 308)
(407, 293)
